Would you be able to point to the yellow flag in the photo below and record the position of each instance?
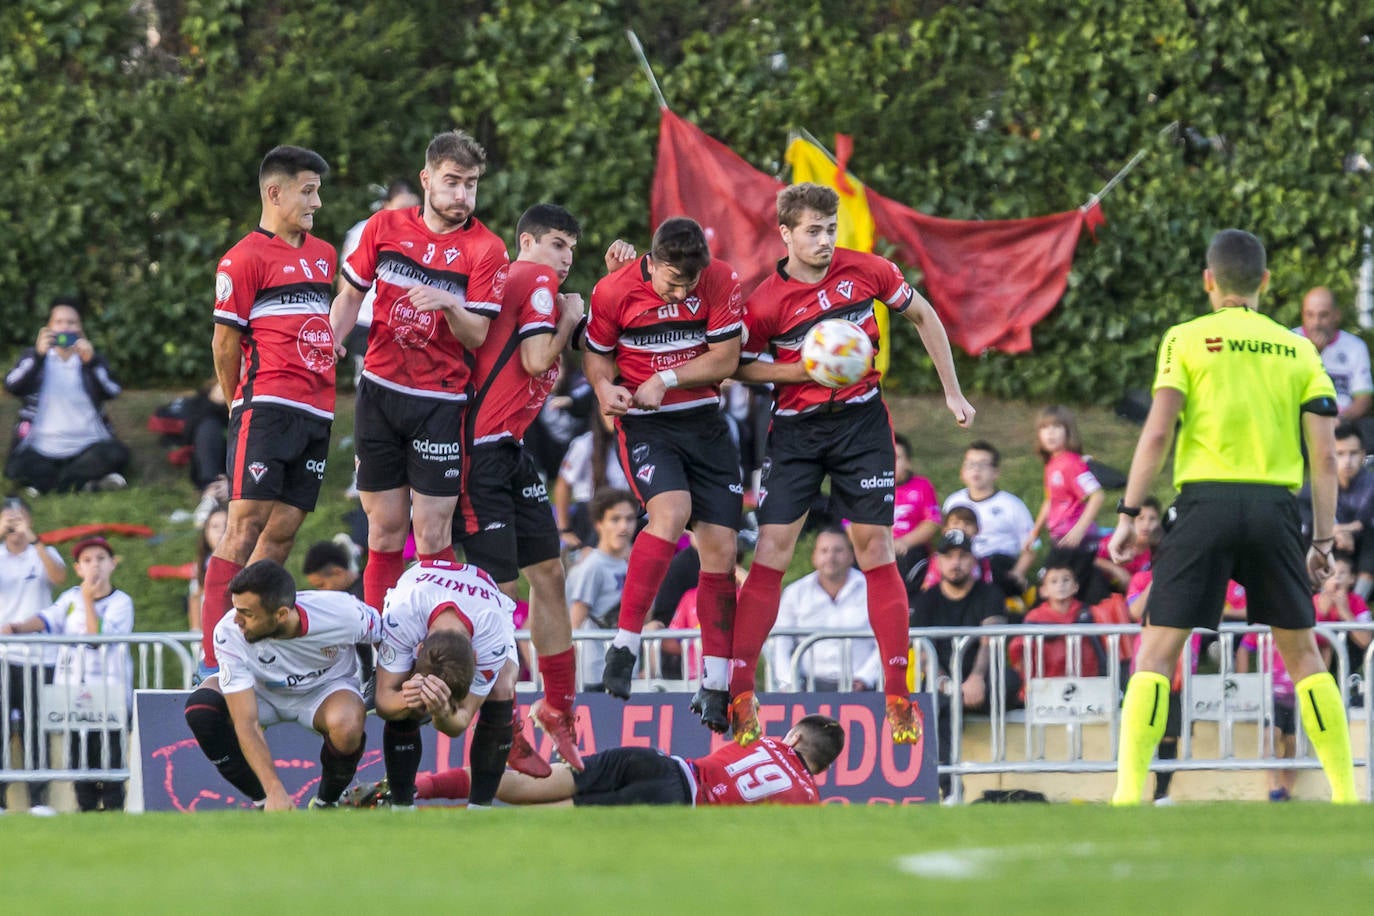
(811, 163)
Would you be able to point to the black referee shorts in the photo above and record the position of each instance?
(631, 776)
(1220, 531)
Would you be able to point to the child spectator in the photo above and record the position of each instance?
(915, 519)
(589, 467)
(1148, 533)
(1073, 497)
(1340, 602)
(210, 533)
(1004, 522)
(94, 606)
(1060, 606)
(28, 571)
(595, 583)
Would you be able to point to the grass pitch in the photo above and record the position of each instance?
(1218, 858)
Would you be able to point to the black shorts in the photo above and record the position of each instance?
(277, 454)
(1173, 725)
(406, 440)
(1220, 531)
(507, 521)
(852, 444)
(690, 450)
(1285, 717)
(631, 776)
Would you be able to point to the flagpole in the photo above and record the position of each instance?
(648, 71)
(1126, 169)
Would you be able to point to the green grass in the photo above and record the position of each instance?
(1025, 859)
(157, 488)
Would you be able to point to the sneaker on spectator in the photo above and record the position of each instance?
(904, 717)
(523, 758)
(1280, 795)
(562, 728)
(1164, 801)
(30, 493)
(42, 811)
(111, 482)
(620, 667)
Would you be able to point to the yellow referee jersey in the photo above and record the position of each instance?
(1245, 378)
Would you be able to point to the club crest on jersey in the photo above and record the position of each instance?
(646, 473)
(693, 304)
(331, 652)
(845, 288)
(224, 285)
(450, 255)
(257, 469)
(322, 266)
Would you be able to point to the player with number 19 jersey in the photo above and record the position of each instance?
(766, 771)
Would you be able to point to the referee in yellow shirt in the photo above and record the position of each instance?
(1239, 385)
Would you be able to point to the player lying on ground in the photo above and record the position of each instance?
(283, 657)
(769, 770)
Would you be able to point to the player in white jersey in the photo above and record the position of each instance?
(284, 657)
(448, 650)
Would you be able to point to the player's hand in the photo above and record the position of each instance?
(1122, 544)
(429, 299)
(619, 254)
(340, 351)
(649, 395)
(278, 800)
(435, 695)
(963, 411)
(615, 400)
(84, 350)
(410, 692)
(45, 341)
(571, 308)
(1318, 564)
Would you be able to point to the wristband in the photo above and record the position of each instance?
(1128, 511)
(668, 377)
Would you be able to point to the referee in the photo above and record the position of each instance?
(1236, 383)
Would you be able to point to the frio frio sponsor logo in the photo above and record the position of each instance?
(437, 451)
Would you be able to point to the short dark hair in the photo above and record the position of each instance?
(605, 500)
(1348, 431)
(821, 741)
(448, 655)
(396, 189)
(68, 300)
(795, 200)
(1151, 502)
(544, 218)
(267, 579)
(290, 161)
(903, 441)
(1237, 261)
(1060, 558)
(322, 555)
(983, 445)
(963, 514)
(458, 147)
(680, 243)
(1344, 556)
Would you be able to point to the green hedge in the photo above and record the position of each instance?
(129, 165)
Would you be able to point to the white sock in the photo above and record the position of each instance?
(715, 673)
(627, 640)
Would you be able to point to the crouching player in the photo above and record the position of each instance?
(448, 650)
(283, 657)
(772, 770)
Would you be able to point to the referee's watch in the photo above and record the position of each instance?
(1128, 511)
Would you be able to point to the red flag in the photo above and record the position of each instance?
(703, 178)
(989, 281)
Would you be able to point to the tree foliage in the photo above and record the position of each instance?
(130, 136)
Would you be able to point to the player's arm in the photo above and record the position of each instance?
(600, 372)
(469, 327)
(454, 718)
(243, 709)
(718, 363)
(761, 371)
(228, 354)
(343, 311)
(933, 337)
(1150, 452)
(539, 352)
(391, 699)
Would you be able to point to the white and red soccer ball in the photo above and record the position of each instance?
(836, 353)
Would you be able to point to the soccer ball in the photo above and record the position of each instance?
(836, 353)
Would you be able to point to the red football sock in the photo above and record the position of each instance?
(755, 615)
(445, 554)
(448, 784)
(891, 620)
(215, 603)
(559, 679)
(716, 612)
(649, 559)
(383, 568)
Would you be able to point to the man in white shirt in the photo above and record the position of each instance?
(63, 440)
(835, 596)
(1344, 356)
(284, 657)
(1004, 522)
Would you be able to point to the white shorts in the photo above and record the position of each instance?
(277, 706)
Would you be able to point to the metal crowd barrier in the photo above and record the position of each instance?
(42, 701)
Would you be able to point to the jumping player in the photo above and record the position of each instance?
(664, 330)
(274, 360)
(283, 656)
(439, 276)
(844, 433)
(771, 771)
(448, 650)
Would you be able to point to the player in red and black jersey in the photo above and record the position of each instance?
(439, 276)
(507, 524)
(663, 331)
(274, 359)
(771, 771)
(845, 434)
